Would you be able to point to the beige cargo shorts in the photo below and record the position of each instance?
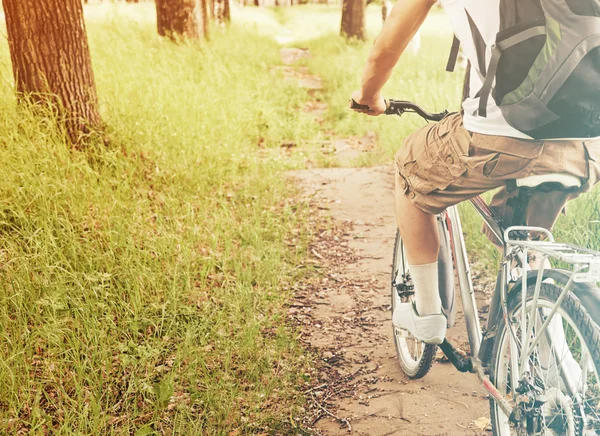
(444, 164)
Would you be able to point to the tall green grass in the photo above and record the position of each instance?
(142, 285)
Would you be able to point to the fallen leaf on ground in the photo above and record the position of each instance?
(482, 423)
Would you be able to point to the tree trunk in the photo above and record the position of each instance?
(211, 12)
(204, 5)
(222, 11)
(353, 19)
(226, 11)
(182, 19)
(51, 59)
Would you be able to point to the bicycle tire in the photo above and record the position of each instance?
(413, 368)
(576, 316)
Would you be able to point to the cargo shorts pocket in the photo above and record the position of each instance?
(498, 157)
(430, 166)
(592, 152)
(504, 165)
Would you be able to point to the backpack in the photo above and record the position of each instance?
(544, 70)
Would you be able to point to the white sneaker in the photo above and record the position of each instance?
(430, 329)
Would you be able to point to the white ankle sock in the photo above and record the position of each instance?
(427, 294)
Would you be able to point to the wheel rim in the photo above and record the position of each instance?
(564, 413)
(410, 350)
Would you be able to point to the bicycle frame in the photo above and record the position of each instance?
(585, 268)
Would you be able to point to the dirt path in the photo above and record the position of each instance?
(346, 318)
(351, 323)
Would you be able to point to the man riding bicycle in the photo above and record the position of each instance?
(532, 109)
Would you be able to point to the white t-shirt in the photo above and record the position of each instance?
(486, 16)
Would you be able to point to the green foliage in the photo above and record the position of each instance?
(142, 285)
(581, 223)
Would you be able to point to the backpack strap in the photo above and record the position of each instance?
(453, 57)
(486, 89)
(497, 49)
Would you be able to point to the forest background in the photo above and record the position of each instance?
(150, 240)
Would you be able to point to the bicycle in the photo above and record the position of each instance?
(540, 364)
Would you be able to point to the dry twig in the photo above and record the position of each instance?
(340, 420)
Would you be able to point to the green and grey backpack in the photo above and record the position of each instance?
(544, 71)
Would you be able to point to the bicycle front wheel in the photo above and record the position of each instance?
(557, 391)
(415, 357)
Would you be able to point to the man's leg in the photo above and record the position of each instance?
(437, 167)
(421, 241)
(418, 229)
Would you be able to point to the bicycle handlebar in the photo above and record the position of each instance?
(398, 107)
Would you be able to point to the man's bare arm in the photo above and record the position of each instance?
(403, 22)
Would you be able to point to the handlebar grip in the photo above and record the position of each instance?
(354, 105)
(363, 107)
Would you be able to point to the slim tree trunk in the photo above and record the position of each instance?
(177, 19)
(353, 19)
(226, 11)
(211, 9)
(222, 11)
(51, 59)
(204, 5)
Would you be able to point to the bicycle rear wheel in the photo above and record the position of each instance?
(561, 372)
(415, 357)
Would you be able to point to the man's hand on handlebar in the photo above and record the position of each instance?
(396, 107)
(375, 104)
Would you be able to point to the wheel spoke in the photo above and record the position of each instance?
(560, 366)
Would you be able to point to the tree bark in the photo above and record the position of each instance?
(182, 19)
(204, 5)
(211, 11)
(222, 13)
(51, 59)
(353, 19)
(226, 11)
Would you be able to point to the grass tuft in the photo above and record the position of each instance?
(143, 285)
